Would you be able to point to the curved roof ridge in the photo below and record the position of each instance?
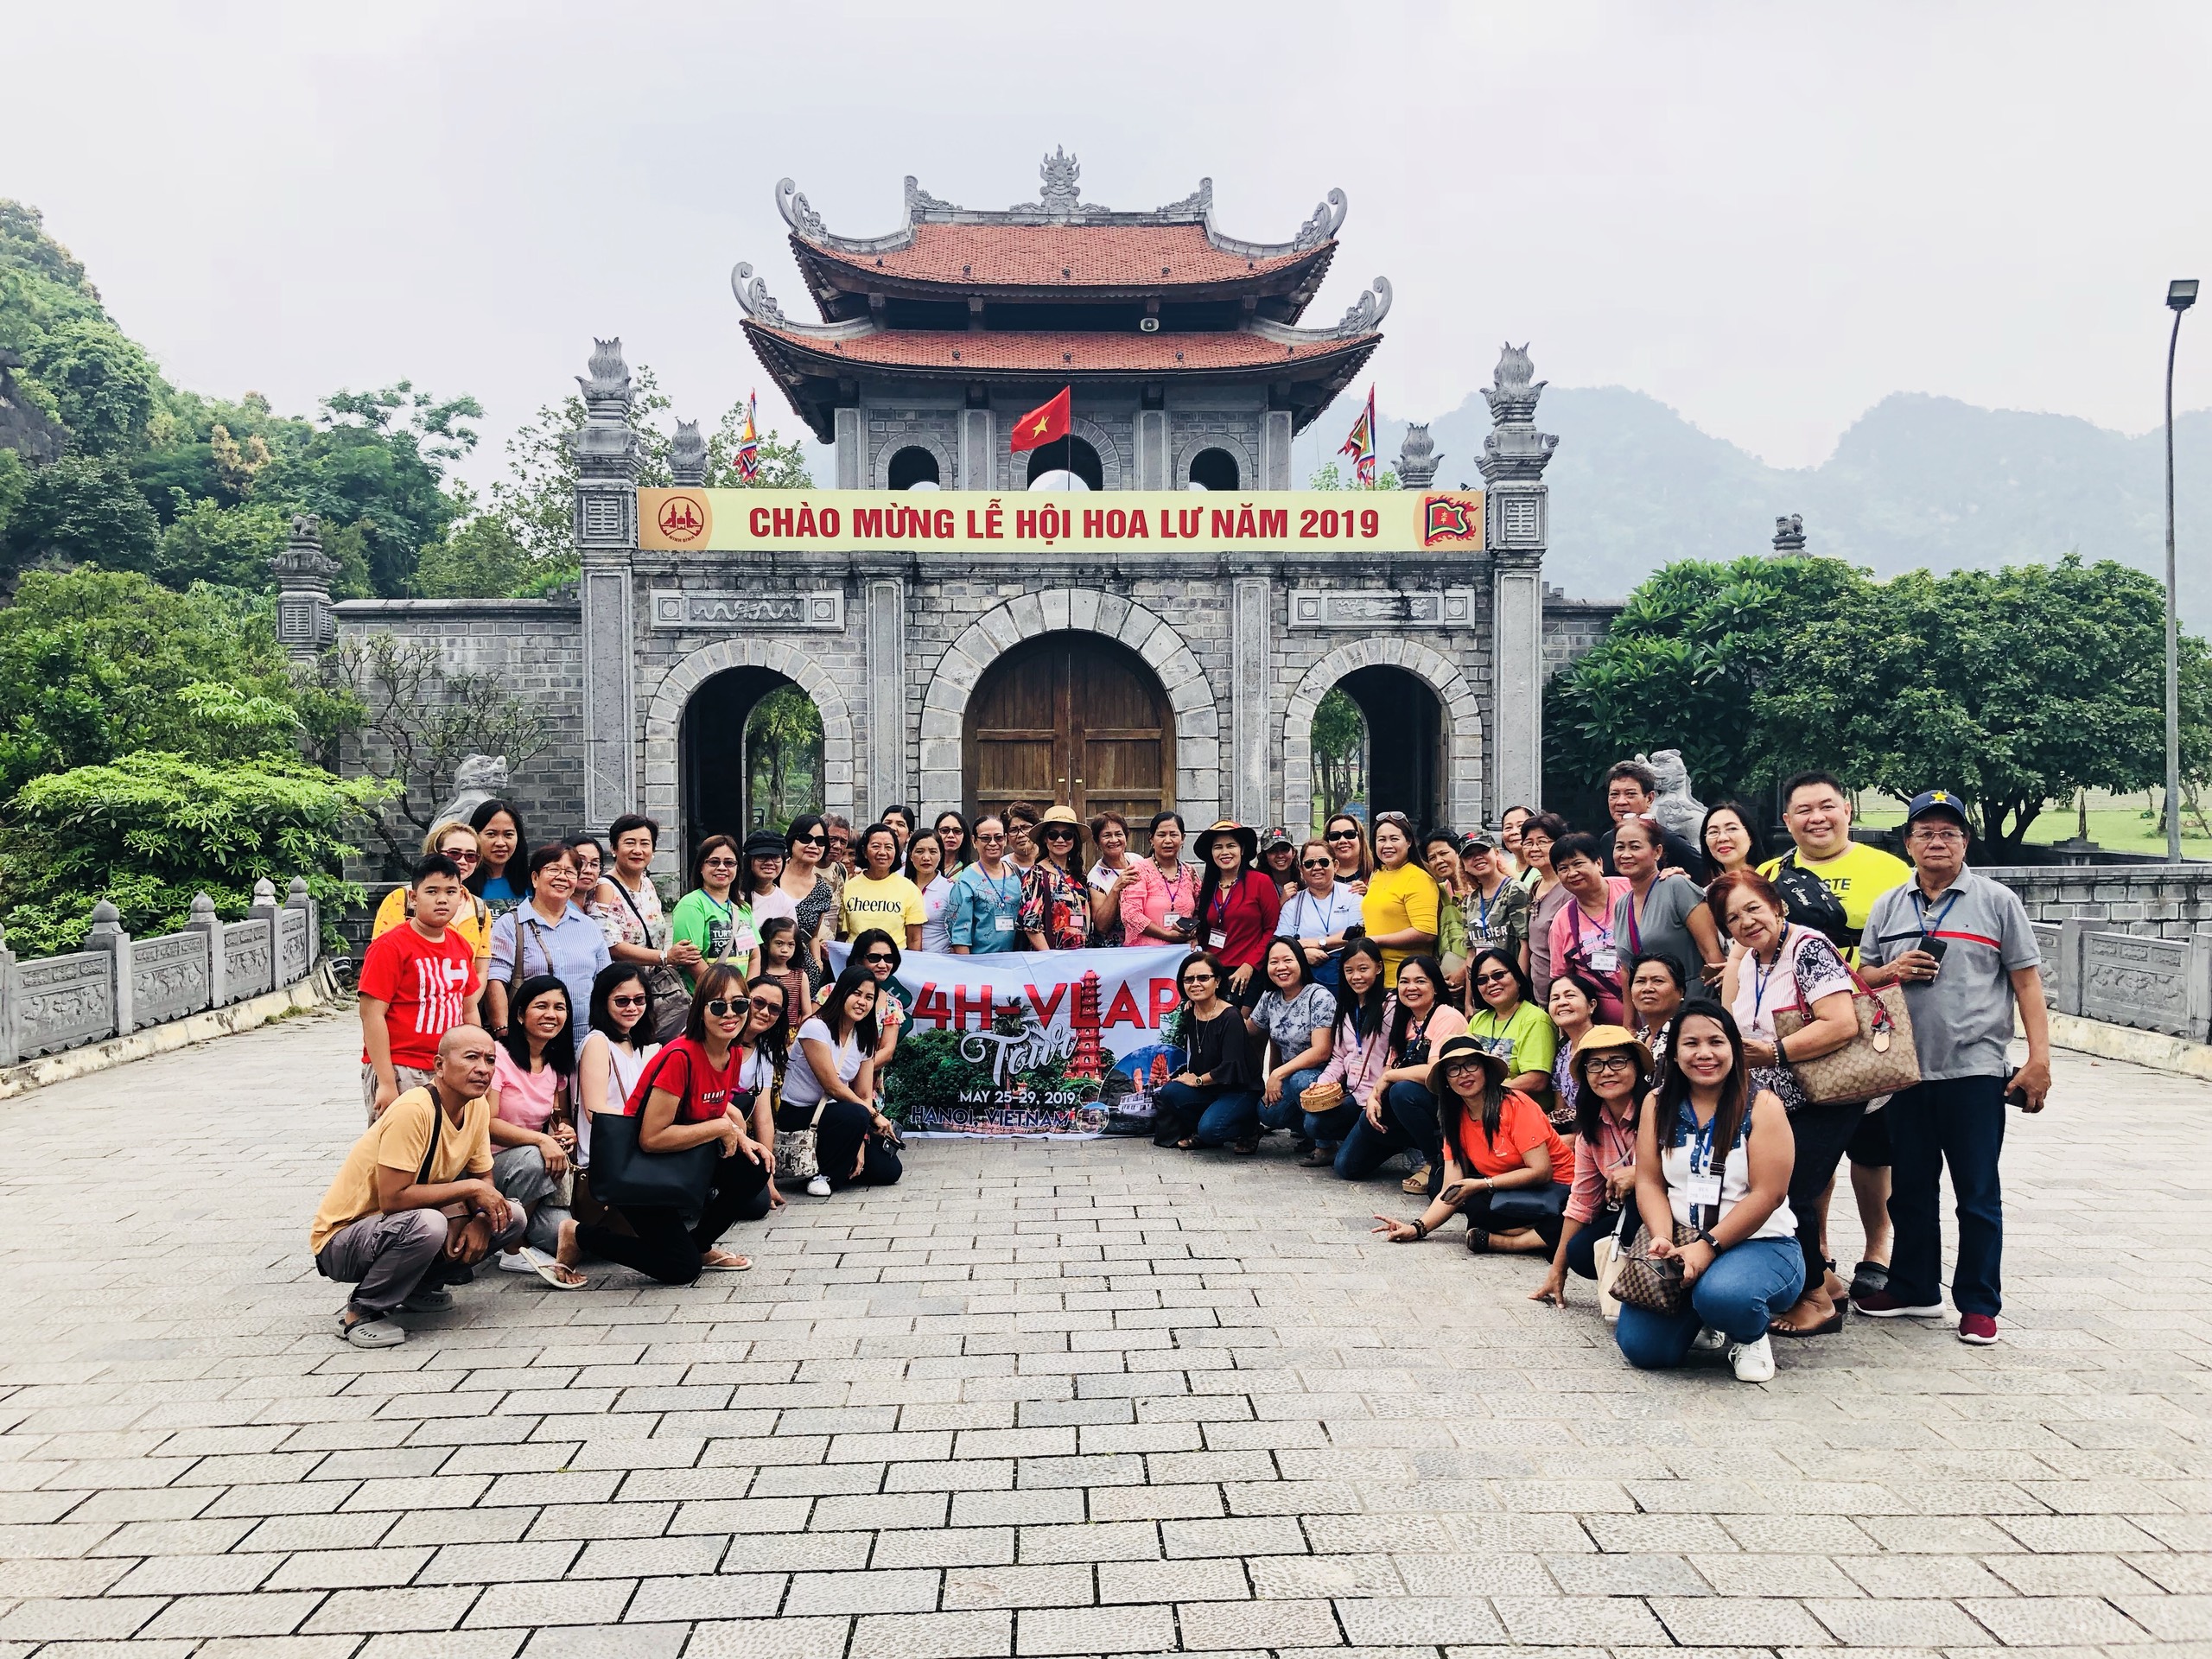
(1363, 317)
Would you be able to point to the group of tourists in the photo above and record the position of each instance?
(1591, 1045)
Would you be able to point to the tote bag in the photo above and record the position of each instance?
(623, 1172)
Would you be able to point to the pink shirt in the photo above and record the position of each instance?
(526, 1098)
(1152, 898)
(1616, 1146)
(1575, 940)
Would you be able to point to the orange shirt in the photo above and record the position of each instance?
(1521, 1125)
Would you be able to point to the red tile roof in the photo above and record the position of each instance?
(1094, 256)
(1072, 351)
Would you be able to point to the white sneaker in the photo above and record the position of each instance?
(818, 1187)
(1752, 1362)
(1708, 1340)
(516, 1261)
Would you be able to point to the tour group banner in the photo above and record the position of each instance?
(1338, 521)
(1061, 1043)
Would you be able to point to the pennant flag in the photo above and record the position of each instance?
(1360, 442)
(1046, 423)
(748, 443)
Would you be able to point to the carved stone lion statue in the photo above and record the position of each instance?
(1676, 809)
(478, 779)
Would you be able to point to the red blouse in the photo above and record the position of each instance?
(1246, 914)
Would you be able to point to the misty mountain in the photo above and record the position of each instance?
(1916, 481)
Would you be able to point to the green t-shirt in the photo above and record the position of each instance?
(1526, 1042)
(723, 932)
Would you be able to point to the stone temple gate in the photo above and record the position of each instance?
(1135, 673)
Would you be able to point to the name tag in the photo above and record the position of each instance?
(1605, 962)
(1705, 1189)
(1003, 923)
(1173, 922)
(1218, 939)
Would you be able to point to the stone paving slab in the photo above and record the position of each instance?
(1087, 1399)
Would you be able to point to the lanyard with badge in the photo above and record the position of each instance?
(1927, 926)
(1604, 957)
(1704, 1185)
(1001, 916)
(1218, 936)
(1177, 893)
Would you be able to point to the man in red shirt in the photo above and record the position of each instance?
(418, 981)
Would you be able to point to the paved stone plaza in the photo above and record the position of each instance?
(1094, 1400)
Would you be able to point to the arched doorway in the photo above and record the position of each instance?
(1385, 738)
(1071, 455)
(914, 469)
(1075, 717)
(1213, 469)
(751, 747)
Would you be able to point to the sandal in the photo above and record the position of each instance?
(559, 1277)
(1827, 1327)
(1416, 1182)
(1318, 1158)
(731, 1262)
(1478, 1241)
(1246, 1147)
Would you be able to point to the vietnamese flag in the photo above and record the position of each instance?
(1046, 423)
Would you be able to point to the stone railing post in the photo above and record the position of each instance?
(209, 926)
(608, 455)
(2066, 972)
(295, 898)
(264, 908)
(11, 1010)
(107, 935)
(2200, 986)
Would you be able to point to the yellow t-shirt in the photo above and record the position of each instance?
(894, 904)
(397, 1141)
(473, 922)
(1397, 900)
(1857, 876)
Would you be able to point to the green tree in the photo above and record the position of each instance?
(479, 558)
(15, 484)
(151, 829)
(2013, 688)
(1339, 754)
(79, 368)
(783, 756)
(230, 547)
(1332, 477)
(82, 510)
(1683, 667)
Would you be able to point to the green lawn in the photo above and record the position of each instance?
(2117, 824)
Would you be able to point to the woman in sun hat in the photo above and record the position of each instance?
(1238, 907)
(1612, 1074)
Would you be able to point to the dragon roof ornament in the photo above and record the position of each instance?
(1059, 203)
(1363, 317)
(758, 304)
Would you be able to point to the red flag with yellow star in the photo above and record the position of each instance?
(1046, 423)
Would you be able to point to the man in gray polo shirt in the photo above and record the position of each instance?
(1961, 996)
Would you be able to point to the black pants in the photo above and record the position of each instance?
(665, 1249)
(1582, 1248)
(1822, 1134)
(842, 1135)
(1543, 1208)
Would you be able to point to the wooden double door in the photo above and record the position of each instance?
(1074, 718)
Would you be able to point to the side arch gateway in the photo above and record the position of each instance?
(1462, 792)
(1083, 610)
(664, 717)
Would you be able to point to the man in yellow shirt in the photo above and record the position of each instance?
(414, 1195)
(1817, 813)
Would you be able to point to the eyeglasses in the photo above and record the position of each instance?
(1316, 864)
(989, 839)
(1341, 835)
(875, 958)
(1609, 1063)
(1919, 834)
(1463, 1063)
(638, 1002)
(763, 1004)
(717, 863)
(460, 857)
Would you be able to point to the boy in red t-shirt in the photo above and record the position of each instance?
(418, 981)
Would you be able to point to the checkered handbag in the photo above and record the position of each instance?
(1879, 1060)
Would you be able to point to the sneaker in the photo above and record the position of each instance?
(818, 1187)
(428, 1299)
(373, 1331)
(1752, 1362)
(1977, 1328)
(516, 1261)
(1416, 1182)
(1887, 1304)
(1708, 1340)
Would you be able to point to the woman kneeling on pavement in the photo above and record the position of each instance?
(1359, 1048)
(1397, 1112)
(1503, 1163)
(830, 1087)
(1713, 1155)
(688, 1097)
(1296, 1017)
(532, 1128)
(1613, 1073)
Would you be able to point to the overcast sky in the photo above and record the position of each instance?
(1768, 216)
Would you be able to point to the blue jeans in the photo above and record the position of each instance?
(1959, 1121)
(1409, 1125)
(1285, 1111)
(1739, 1295)
(1233, 1115)
(1328, 1129)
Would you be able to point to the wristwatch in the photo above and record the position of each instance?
(1710, 1240)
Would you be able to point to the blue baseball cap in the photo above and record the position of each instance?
(1930, 801)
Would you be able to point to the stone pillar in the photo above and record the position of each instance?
(607, 451)
(1417, 457)
(1251, 637)
(209, 927)
(1788, 536)
(306, 626)
(851, 462)
(1274, 453)
(264, 908)
(978, 448)
(107, 935)
(296, 897)
(1516, 529)
(1151, 450)
(11, 1010)
(886, 696)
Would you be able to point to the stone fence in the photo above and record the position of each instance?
(116, 984)
(2166, 901)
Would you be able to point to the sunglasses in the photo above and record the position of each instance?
(989, 840)
(1342, 835)
(722, 1008)
(1200, 979)
(469, 857)
(1316, 864)
(762, 1004)
(874, 957)
(816, 839)
(1060, 834)
(1498, 978)
(626, 1001)
(718, 863)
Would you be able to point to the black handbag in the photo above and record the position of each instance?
(624, 1172)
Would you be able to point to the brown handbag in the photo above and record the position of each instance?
(1656, 1284)
(1881, 1060)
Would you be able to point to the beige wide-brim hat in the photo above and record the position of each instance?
(1604, 1039)
(1245, 838)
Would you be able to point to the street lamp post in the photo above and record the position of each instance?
(2180, 293)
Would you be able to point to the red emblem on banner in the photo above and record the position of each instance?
(1446, 518)
(682, 519)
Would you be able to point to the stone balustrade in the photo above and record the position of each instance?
(2169, 901)
(116, 984)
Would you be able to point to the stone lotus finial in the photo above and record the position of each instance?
(203, 909)
(295, 893)
(1418, 458)
(1514, 397)
(107, 918)
(606, 385)
(1514, 448)
(687, 455)
(264, 893)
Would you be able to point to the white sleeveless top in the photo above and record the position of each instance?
(1693, 1156)
(625, 1066)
